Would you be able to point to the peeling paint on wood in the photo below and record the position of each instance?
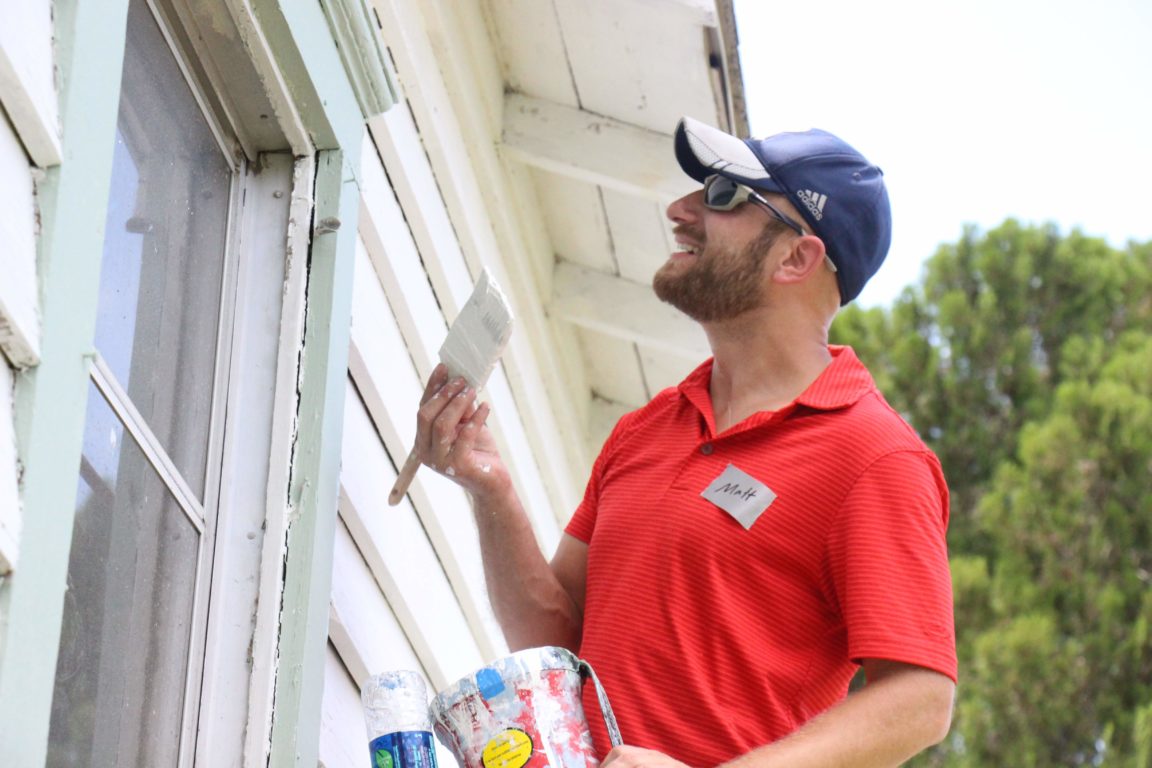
(27, 86)
(9, 476)
(19, 299)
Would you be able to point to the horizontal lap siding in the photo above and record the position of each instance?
(27, 92)
(408, 587)
(449, 66)
(365, 636)
(402, 560)
(390, 387)
(9, 499)
(343, 737)
(18, 322)
(417, 191)
(407, 583)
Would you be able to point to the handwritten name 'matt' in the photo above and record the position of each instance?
(739, 494)
(737, 490)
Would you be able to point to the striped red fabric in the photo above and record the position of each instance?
(712, 639)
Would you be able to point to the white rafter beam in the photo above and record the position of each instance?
(623, 309)
(593, 148)
(702, 12)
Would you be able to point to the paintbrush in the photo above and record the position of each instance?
(473, 346)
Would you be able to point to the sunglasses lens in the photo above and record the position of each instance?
(720, 193)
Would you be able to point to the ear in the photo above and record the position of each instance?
(805, 257)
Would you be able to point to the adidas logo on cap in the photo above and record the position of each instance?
(814, 201)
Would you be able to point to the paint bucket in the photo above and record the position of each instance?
(523, 711)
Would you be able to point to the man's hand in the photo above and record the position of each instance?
(535, 605)
(453, 439)
(637, 757)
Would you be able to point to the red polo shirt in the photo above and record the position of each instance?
(713, 638)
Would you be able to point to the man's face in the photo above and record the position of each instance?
(720, 280)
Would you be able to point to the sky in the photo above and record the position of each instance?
(976, 111)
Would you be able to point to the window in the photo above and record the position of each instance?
(166, 545)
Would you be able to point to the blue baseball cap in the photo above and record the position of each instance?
(840, 194)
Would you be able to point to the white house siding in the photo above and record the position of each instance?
(451, 77)
(28, 139)
(26, 78)
(407, 585)
(9, 498)
(18, 321)
(442, 196)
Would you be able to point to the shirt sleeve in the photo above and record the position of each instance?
(888, 562)
(583, 520)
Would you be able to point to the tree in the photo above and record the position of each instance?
(1071, 590)
(1024, 359)
(974, 353)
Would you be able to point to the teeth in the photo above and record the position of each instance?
(690, 249)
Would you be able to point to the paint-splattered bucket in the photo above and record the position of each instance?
(523, 711)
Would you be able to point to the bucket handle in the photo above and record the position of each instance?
(586, 672)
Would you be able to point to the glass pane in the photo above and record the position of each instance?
(120, 678)
(163, 264)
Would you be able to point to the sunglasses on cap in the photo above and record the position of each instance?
(723, 194)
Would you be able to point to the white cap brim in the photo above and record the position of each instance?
(703, 150)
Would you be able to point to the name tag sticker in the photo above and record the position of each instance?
(740, 495)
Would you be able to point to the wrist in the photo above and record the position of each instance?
(491, 487)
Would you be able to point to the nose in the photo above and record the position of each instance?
(687, 208)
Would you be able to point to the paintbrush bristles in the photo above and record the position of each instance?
(479, 334)
(472, 348)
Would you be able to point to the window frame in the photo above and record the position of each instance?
(268, 193)
(284, 71)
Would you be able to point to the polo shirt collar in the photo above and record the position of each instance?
(841, 384)
(844, 381)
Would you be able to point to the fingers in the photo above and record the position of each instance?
(452, 436)
(443, 419)
(438, 395)
(636, 757)
(480, 416)
(437, 380)
(460, 457)
(459, 400)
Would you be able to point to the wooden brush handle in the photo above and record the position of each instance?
(404, 479)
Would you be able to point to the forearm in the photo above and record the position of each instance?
(902, 711)
(893, 718)
(531, 605)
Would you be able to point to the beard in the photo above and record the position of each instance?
(721, 284)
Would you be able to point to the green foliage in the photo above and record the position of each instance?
(1142, 751)
(1025, 360)
(976, 351)
(1036, 672)
(1070, 520)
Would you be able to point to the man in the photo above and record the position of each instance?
(751, 538)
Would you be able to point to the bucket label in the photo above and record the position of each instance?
(511, 748)
(489, 683)
(403, 749)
